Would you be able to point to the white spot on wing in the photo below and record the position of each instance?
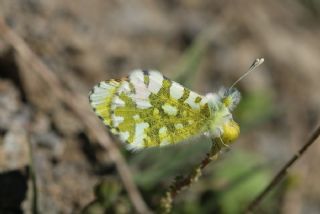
(163, 130)
(116, 120)
(213, 99)
(137, 80)
(117, 102)
(98, 96)
(204, 101)
(178, 126)
(136, 76)
(176, 90)
(155, 81)
(136, 117)
(143, 104)
(105, 85)
(124, 87)
(169, 109)
(124, 136)
(101, 91)
(139, 136)
(163, 136)
(141, 95)
(191, 100)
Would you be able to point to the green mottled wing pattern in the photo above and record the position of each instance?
(148, 110)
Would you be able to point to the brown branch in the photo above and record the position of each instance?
(283, 172)
(77, 103)
(192, 177)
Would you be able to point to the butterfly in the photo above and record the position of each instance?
(146, 109)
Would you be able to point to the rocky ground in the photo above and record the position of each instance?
(202, 44)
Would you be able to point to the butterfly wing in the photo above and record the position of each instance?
(147, 109)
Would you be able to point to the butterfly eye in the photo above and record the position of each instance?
(231, 131)
(231, 98)
(227, 101)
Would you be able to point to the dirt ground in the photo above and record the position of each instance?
(202, 44)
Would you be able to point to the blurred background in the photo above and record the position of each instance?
(50, 160)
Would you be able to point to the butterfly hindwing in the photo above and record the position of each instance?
(147, 109)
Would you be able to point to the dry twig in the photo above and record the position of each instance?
(283, 172)
(179, 184)
(34, 206)
(77, 104)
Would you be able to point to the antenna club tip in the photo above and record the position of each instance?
(258, 62)
(254, 65)
(261, 60)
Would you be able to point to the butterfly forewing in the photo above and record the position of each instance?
(147, 109)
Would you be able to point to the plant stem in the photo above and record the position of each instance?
(283, 172)
(192, 177)
(34, 206)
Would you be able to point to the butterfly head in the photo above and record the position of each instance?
(227, 100)
(230, 98)
(222, 124)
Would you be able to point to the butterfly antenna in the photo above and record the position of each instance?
(254, 65)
